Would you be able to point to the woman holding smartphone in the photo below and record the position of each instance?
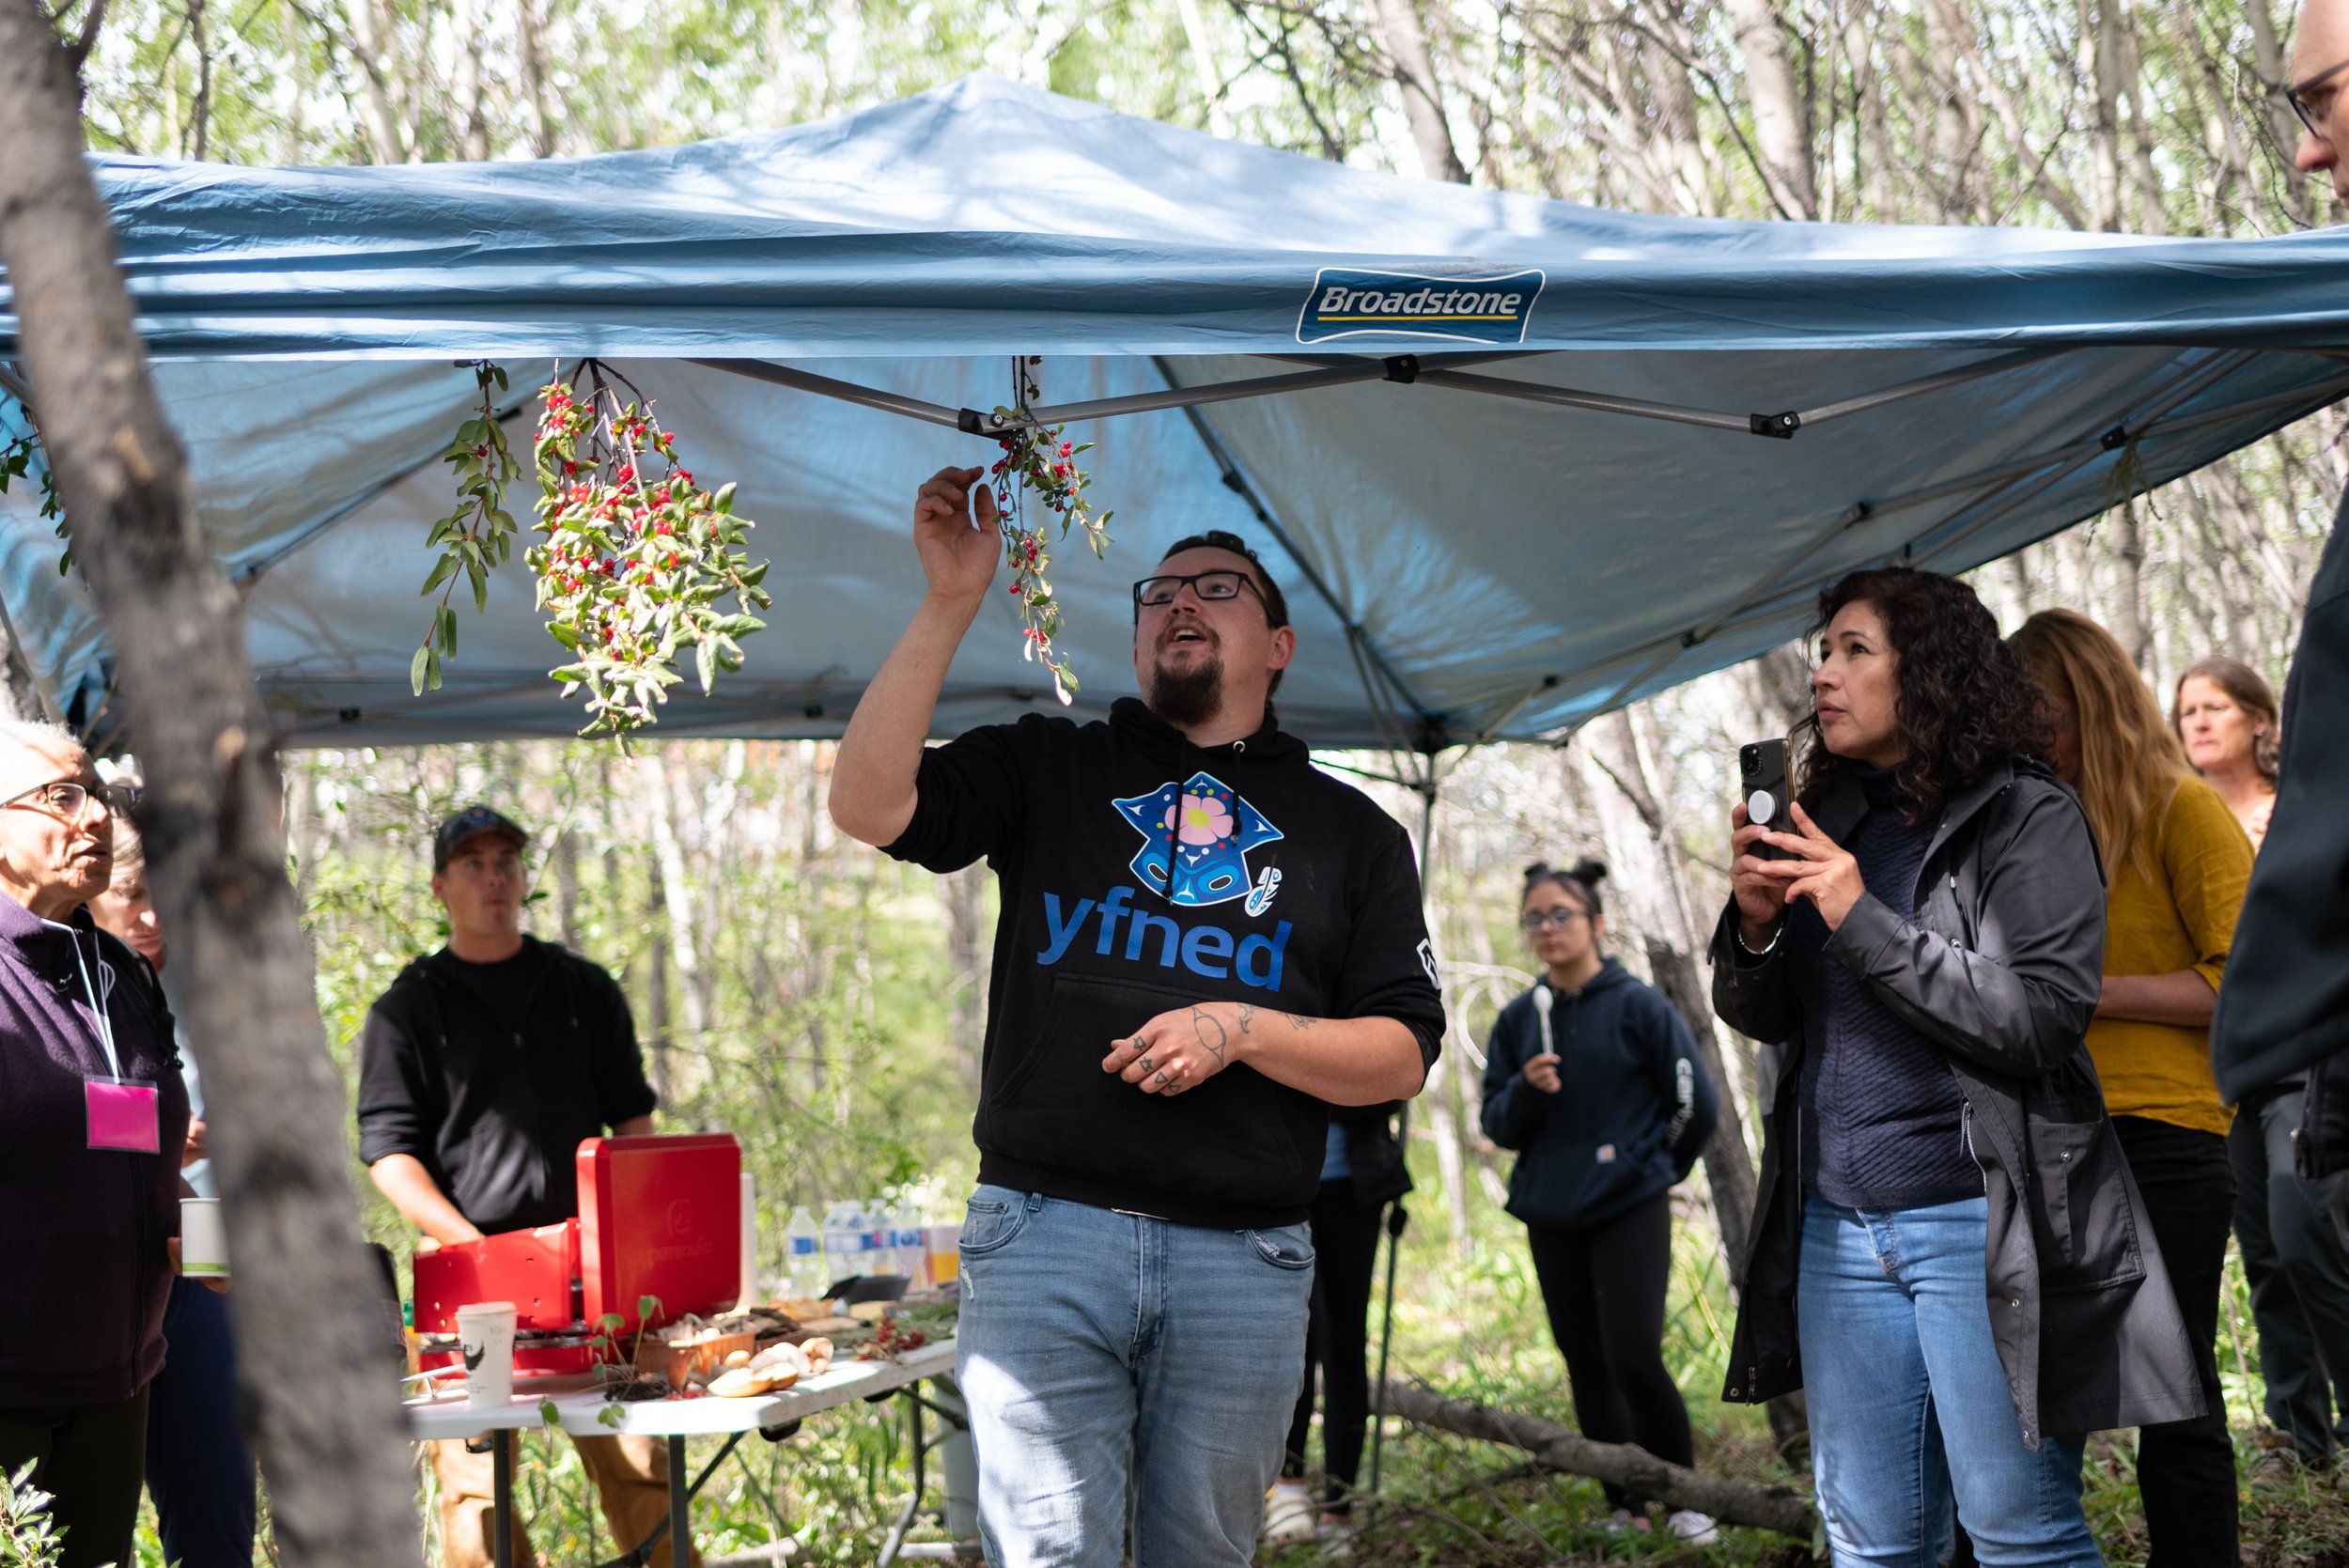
(1595, 1079)
(1949, 1256)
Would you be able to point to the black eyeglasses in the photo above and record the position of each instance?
(1156, 593)
(2312, 111)
(1552, 920)
(68, 800)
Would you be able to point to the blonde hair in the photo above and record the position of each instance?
(130, 850)
(2131, 763)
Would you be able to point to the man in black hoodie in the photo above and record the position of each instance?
(1203, 943)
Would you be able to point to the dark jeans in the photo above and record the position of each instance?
(2185, 1470)
(86, 1457)
(2298, 1273)
(198, 1469)
(1605, 1291)
(1346, 1251)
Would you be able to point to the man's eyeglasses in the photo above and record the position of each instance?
(1552, 920)
(65, 799)
(2313, 99)
(1156, 593)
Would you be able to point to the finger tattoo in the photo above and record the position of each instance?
(1145, 1064)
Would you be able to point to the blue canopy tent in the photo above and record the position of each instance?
(1518, 460)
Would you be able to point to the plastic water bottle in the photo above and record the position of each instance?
(906, 1234)
(881, 1238)
(803, 1242)
(844, 1240)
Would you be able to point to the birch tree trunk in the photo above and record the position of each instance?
(312, 1385)
(1406, 42)
(1781, 117)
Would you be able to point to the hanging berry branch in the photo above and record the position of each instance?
(635, 560)
(17, 456)
(1039, 462)
(479, 536)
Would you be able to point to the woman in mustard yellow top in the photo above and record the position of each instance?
(2176, 861)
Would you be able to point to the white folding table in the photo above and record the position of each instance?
(679, 1420)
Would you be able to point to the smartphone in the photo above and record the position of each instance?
(1761, 778)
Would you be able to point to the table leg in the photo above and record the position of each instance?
(502, 1500)
(913, 1505)
(680, 1507)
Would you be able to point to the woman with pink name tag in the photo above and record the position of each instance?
(92, 1119)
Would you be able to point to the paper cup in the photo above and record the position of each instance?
(485, 1329)
(203, 1239)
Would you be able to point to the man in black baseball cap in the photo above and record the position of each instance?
(480, 1072)
(467, 825)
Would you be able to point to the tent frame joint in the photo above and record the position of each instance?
(1779, 426)
(1402, 368)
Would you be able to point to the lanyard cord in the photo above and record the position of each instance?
(96, 996)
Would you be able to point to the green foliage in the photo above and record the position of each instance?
(29, 1538)
(476, 537)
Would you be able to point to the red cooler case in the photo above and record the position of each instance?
(660, 1217)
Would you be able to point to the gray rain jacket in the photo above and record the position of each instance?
(2002, 966)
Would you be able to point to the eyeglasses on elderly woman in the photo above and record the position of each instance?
(70, 801)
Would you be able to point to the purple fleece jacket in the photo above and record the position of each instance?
(82, 1230)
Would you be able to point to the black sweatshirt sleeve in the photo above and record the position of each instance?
(968, 796)
(621, 1088)
(1512, 1107)
(401, 1101)
(1691, 1104)
(1390, 967)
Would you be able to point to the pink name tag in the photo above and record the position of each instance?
(123, 1115)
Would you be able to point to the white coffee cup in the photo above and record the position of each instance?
(203, 1239)
(485, 1330)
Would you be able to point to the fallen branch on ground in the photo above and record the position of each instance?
(1634, 1470)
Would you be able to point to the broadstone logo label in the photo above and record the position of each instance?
(1347, 302)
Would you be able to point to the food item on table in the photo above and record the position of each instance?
(869, 1311)
(738, 1358)
(891, 1339)
(741, 1383)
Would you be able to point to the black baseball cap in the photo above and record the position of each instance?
(471, 823)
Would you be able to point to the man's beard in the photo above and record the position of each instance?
(1187, 697)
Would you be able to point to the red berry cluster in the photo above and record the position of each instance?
(1038, 461)
(636, 556)
(890, 1339)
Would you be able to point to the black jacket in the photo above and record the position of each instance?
(2002, 966)
(1633, 1109)
(2285, 1005)
(1141, 875)
(492, 1075)
(1373, 1151)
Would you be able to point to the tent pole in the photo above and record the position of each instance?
(1429, 787)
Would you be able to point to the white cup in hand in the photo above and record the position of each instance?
(485, 1331)
(203, 1239)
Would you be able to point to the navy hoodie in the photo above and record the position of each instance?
(1141, 874)
(1633, 1110)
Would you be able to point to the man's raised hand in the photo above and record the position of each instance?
(958, 555)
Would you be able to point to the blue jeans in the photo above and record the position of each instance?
(198, 1470)
(1124, 1371)
(1909, 1401)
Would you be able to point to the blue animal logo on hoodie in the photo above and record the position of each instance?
(1195, 838)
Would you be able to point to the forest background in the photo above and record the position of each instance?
(826, 1005)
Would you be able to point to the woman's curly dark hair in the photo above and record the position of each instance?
(1966, 701)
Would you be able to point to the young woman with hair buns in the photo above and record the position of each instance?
(1594, 1078)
